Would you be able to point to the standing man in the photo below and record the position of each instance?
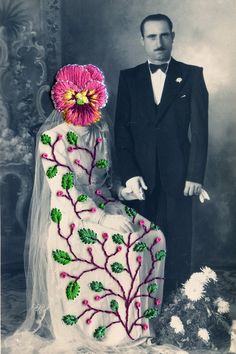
(161, 134)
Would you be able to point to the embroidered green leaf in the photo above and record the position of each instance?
(67, 180)
(117, 267)
(150, 313)
(118, 239)
(69, 320)
(51, 172)
(140, 247)
(72, 290)
(99, 332)
(56, 215)
(154, 227)
(102, 163)
(72, 138)
(130, 211)
(96, 286)
(101, 205)
(61, 257)
(45, 139)
(82, 198)
(160, 255)
(152, 288)
(114, 305)
(87, 236)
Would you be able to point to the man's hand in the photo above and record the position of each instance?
(135, 186)
(192, 188)
(125, 193)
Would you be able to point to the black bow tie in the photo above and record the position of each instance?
(155, 67)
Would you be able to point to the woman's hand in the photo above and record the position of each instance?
(116, 222)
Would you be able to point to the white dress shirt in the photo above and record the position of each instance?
(158, 81)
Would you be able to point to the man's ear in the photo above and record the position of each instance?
(142, 40)
(173, 36)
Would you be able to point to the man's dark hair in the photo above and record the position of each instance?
(156, 17)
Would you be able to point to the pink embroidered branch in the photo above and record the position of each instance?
(90, 210)
(83, 313)
(92, 154)
(84, 272)
(106, 200)
(112, 324)
(98, 141)
(108, 271)
(77, 162)
(77, 147)
(146, 231)
(127, 255)
(67, 238)
(135, 323)
(45, 156)
(100, 310)
(111, 293)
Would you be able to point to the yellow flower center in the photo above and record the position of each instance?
(69, 96)
(81, 97)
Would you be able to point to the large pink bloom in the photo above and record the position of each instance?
(80, 93)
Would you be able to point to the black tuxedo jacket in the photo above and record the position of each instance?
(145, 139)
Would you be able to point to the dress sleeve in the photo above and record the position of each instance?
(60, 175)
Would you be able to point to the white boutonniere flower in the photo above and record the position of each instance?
(179, 79)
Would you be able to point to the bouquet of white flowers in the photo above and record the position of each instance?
(196, 317)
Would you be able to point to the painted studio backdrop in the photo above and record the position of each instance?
(37, 37)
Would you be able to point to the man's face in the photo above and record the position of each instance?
(157, 41)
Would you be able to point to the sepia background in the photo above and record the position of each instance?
(37, 37)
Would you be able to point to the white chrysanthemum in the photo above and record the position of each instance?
(209, 273)
(194, 290)
(222, 305)
(177, 324)
(203, 334)
(199, 277)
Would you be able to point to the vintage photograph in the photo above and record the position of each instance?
(118, 176)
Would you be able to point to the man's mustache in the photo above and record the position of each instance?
(159, 49)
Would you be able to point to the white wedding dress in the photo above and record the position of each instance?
(103, 288)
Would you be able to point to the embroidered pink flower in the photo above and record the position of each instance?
(139, 259)
(93, 210)
(89, 249)
(157, 239)
(119, 248)
(72, 226)
(85, 302)
(105, 236)
(99, 140)
(157, 302)
(63, 274)
(97, 297)
(88, 321)
(98, 192)
(77, 162)
(59, 193)
(145, 326)
(137, 304)
(59, 137)
(70, 149)
(80, 93)
(141, 222)
(44, 156)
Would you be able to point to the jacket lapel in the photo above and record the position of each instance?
(145, 92)
(175, 80)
